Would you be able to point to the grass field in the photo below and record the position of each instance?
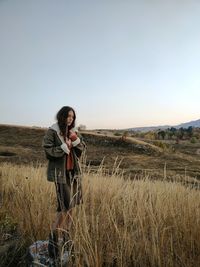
(121, 222)
(141, 200)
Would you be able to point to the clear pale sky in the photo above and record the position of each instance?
(119, 63)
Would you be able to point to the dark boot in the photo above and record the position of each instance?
(53, 245)
(67, 241)
(68, 249)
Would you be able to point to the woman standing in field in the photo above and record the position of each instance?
(63, 149)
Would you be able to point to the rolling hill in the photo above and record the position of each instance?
(195, 123)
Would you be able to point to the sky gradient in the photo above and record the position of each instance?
(119, 63)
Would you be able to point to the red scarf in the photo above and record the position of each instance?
(70, 162)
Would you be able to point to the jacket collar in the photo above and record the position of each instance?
(56, 128)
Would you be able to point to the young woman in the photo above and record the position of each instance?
(63, 149)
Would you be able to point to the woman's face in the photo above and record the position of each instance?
(70, 118)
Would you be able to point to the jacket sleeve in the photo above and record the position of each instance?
(80, 147)
(51, 149)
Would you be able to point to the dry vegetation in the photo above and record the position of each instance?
(24, 145)
(143, 212)
(121, 223)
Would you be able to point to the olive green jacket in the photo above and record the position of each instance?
(56, 170)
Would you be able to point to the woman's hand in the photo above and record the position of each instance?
(69, 143)
(72, 136)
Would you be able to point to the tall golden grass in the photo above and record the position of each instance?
(121, 222)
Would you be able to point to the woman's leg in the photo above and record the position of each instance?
(58, 221)
(62, 222)
(66, 220)
(59, 234)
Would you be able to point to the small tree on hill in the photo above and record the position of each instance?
(161, 134)
(81, 127)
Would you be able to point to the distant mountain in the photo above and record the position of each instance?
(188, 124)
(163, 127)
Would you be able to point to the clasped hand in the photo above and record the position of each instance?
(72, 137)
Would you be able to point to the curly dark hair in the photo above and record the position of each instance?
(61, 118)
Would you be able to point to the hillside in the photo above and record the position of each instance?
(24, 145)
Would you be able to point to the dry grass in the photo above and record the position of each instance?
(121, 223)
